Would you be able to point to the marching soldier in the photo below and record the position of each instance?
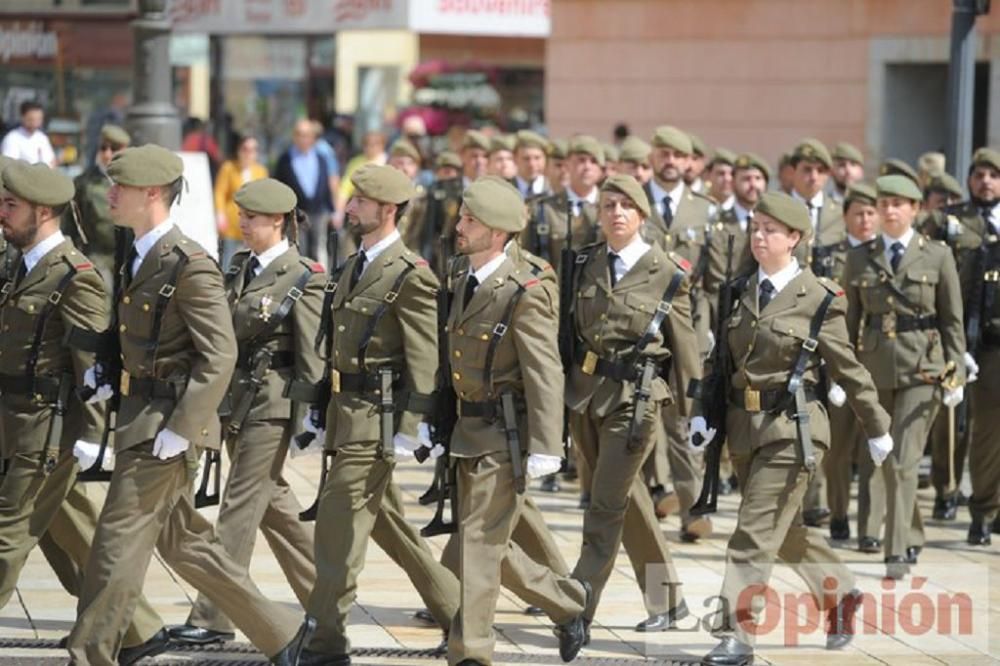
(942, 191)
(430, 232)
(782, 326)
(633, 159)
(529, 154)
(811, 163)
(556, 172)
(610, 159)
(905, 306)
(720, 177)
(177, 352)
(403, 155)
(275, 296)
(500, 157)
(475, 156)
(508, 378)
(848, 169)
(633, 328)
(381, 342)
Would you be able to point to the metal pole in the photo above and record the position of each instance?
(153, 118)
(961, 81)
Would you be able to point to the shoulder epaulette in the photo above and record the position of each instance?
(313, 266)
(525, 279)
(708, 198)
(413, 259)
(681, 262)
(190, 249)
(78, 262)
(831, 286)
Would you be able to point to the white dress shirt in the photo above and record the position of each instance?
(743, 216)
(780, 279)
(889, 240)
(489, 268)
(42, 248)
(371, 253)
(578, 201)
(146, 242)
(629, 256)
(269, 255)
(814, 205)
(658, 194)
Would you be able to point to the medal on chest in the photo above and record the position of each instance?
(265, 307)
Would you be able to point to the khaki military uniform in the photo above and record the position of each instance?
(40, 500)
(545, 235)
(609, 321)
(908, 328)
(430, 220)
(91, 199)
(828, 231)
(359, 501)
(176, 384)
(525, 364)
(764, 347)
(256, 493)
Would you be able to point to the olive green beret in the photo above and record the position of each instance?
(812, 150)
(635, 150)
(383, 183)
(784, 160)
(448, 159)
(860, 192)
(899, 168)
(783, 208)
(267, 196)
(4, 163)
(986, 157)
(898, 185)
(529, 139)
(667, 136)
(723, 156)
(845, 151)
(475, 139)
(945, 182)
(501, 142)
(116, 135)
(698, 147)
(496, 203)
(611, 153)
(558, 149)
(145, 166)
(630, 187)
(752, 161)
(404, 148)
(38, 183)
(587, 145)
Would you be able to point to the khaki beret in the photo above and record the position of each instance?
(900, 168)
(783, 208)
(145, 166)
(587, 145)
(496, 203)
(898, 185)
(611, 153)
(698, 147)
(475, 139)
(267, 196)
(558, 149)
(529, 139)
(723, 156)
(752, 161)
(384, 183)
(404, 148)
(860, 192)
(4, 163)
(635, 150)
(945, 182)
(932, 163)
(812, 150)
(448, 159)
(986, 157)
(501, 142)
(115, 135)
(845, 151)
(37, 183)
(667, 136)
(630, 187)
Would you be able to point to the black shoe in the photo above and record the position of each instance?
(945, 508)
(664, 621)
(307, 658)
(815, 517)
(586, 632)
(896, 567)
(291, 653)
(442, 648)
(192, 635)
(840, 529)
(584, 501)
(996, 525)
(979, 535)
(696, 529)
(840, 620)
(550, 484)
(158, 644)
(574, 633)
(869, 545)
(730, 652)
(533, 611)
(425, 616)
(912, 553)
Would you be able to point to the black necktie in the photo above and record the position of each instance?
(130, 258)
(612, 273)
(251, 271)
(897, 255)
(987, 214)
(359, 267)
(22, 270)
(766, 294)
(668, 213)
(470, 289)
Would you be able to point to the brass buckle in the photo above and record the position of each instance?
(991, 276)
(889, 324)
(589, 364)
(123, 385)
(335, 381)
(751, 400)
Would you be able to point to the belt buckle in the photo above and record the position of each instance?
(991, 276)
(751, 400)
(889, 324)
(589, 364)
(335, 381)
(123, 385)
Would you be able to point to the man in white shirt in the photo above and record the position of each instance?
(28, 142)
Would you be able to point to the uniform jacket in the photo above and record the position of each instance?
(95, 218)
(830, 230)
(687, 233)
(550, 212)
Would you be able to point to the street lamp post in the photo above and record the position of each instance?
(152, 117)
(961, 82)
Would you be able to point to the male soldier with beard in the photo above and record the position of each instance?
(720, 177)
(848, 168)
(633, 159)
(695, 168)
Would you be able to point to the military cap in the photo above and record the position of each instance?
(529, 139)
(860, 192)
(783, 208)
(145, 166)
(752, 161)
(630, 187)
(383, 183)
(812, 150)
(611, 153)
(501, 142)
(37, 183)
(986, 157)
(404, 148)
(945, 182)
(667, 136)
(932, 163)
(448, 159)
(900, 168)
(587, 145)
(784, 160)
(698, 147)
(723, 156)
(4, 162)
(558, 149)
(475, 139)
(898, 185)
(496, 203)
(267, 196)
(635, 150)
(115, 135)
(845, 151)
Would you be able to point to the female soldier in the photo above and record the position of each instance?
(275, 296)
(905, 307)
(786, 321)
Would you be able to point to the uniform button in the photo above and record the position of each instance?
(456, 376)
(889, 300)
(364, 309)
(145, 307)
(204, 432)
(790, 331)
(597, 338)
(354, 361)
(126, 300)
(604, 317)
(461, 331)
(458, 353)
(484, 336)
(122, 328)
(752, 324)
(341, 328)
(31, 308)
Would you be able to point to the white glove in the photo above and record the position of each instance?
(403, 446)
(540, 465)
(314, 447)
(711, 343)
(971, 368)
(699, 434)
(102, 392)
(169, 444)
(424, 436)
(86, 453)
(436, 451)
(836, 395)
(880, 448)
(953, 396)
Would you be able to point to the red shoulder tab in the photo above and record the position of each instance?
(840, 292)
(532, 282)
(84, 266)
(684, 264)
(317, 267)
(420, 262)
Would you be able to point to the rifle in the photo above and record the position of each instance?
(977, 309)
(567, 331)
(714, 393)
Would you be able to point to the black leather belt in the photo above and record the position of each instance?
(279, 360)
(45, 389)
(767, 400)
(893, 323)
(490, 410)
(148, 388)
(367, 383)
(592, 364)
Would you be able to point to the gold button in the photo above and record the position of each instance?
(790, 331)
(485, 336)
(364, 309)
(752, 324)
(341, 328)
(126, 300)
(354, 361)
(458, 353)
(204, 432)
(461, 331)
(31, 308)
(604, 317)
(122, 328)
(597, 338)
(145, 307)
(456, 376)
(889, 300)
(924, 278)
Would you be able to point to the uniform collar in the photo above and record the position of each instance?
(675, 194)
(144, 244)
(816, 202)
(270, 254)
(631, 253)
(904, 239)
(536, 186)
(780, 279)
(378, 248)
(574, 199)
(854, 242)
(489, 268)
(743, 215)
(35, 254)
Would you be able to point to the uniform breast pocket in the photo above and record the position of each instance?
(470, 344)
(921, 286)
(642, 307)
(789, 334)
(352, 318)
(20, 318)
(586, 305)
(135, 314)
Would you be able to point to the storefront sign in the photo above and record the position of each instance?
(507, 18)
(27, 41)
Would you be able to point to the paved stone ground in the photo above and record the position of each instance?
(385, 632)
